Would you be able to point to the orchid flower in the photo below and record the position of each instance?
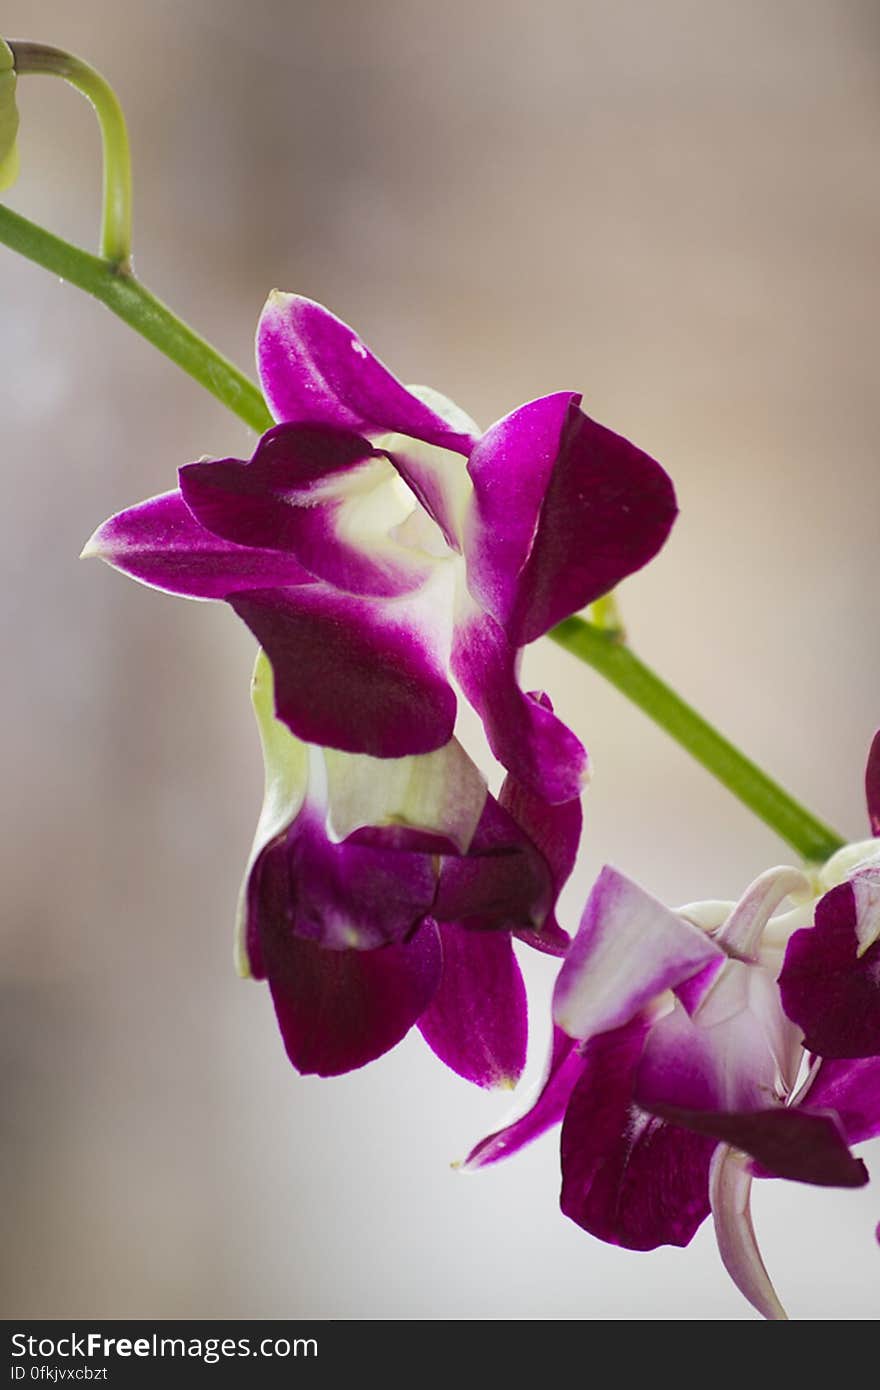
(678, 1075)
(382, 895)
(379, 546)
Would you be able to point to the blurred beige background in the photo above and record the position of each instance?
(672, 206)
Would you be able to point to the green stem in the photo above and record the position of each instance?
(619, 665)
(142, 311)
(116, 214)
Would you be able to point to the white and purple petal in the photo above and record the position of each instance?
(325, 496)
(477, 1021)
(526, 737)
(502, 882)
(160, 543)
(352, 673)
(730, 1186)
(628, 949)
(315, 369)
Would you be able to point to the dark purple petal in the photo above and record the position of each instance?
(525, 736)
(294, 495)
(628, 1177)
(160, 543)
(872, 784)
(628, 949)
(502, 881)
(851, 1089)
(786, 1141)
(351, 673)
(556, 831)
(477, 1021)
(347, 895)
(338, 1010)
(563, 510)
(548, 1108)
(315, 369)
(829, 988)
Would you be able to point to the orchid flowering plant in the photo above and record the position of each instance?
(390, 557)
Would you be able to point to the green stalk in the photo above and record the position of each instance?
(116, 214)
(146, 314)
(776, 807)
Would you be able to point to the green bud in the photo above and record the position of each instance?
(8, 118)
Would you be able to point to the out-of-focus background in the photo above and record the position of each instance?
(673, 207)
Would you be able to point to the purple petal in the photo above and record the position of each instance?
(829, 986)
(629, 948)
(352, 673)
(160, 543)
(851, 1089)
(563, 510)
(730, 1185)
(477, 1021)
(737, 1050)
(502, 881)
(787, 1141)
(628, 1177)
(872, 784)
(525, 736)
(556, 831)
(315, 369)
(338, 1010)
(296, 494)
(547, 1109)
(345, 895)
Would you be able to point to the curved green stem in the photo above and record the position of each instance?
(116, 215)
(142, 311)
(619, 665)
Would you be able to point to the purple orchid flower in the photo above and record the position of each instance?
(378, 545)
(379, 896)
(678, 1075)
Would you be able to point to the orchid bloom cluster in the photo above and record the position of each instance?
(379, 546)
(695, 1050)
(390, 557)
(383, 550)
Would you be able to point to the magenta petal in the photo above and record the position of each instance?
(628, 1177)
(788, 1142)
(315, 369)
(556, 831)
(502, 881)
(525, 736)
(351, 673)
(510, 468)
(629, 948)
(338, 1010)
(563, 510)
(548, 1108)
(827, 987)
(477, 1021)
(851, 1089)
(161, 543)
(872, 784)
(345, 895)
